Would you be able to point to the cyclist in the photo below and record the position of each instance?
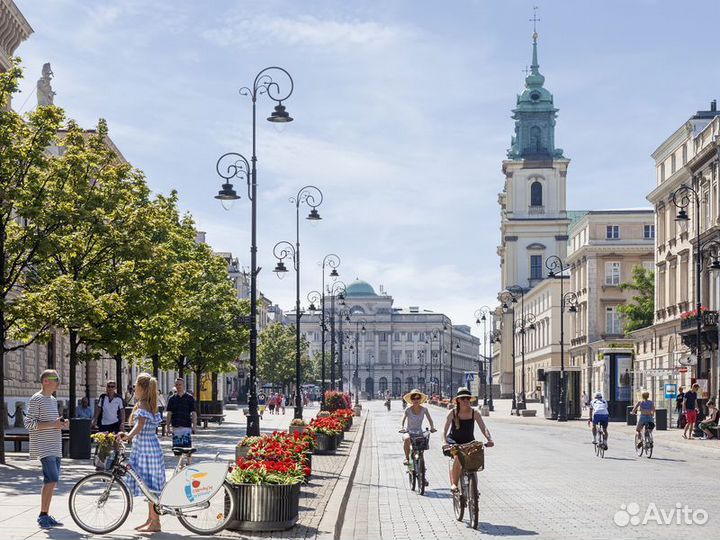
(460, 428)
(599, 415)
(646, 418)
(414, 417)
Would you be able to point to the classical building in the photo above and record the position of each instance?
(663, 352)
(604, 248)
(534, 221)
(400, 348)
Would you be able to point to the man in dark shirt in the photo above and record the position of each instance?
(181, 416)
(678, 407)
(690, 409)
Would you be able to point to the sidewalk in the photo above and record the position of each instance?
(671, 437)
(20, 483)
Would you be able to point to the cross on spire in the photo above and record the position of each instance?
(535, 20)
(526, 71)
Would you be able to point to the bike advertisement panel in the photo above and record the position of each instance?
(194, 484)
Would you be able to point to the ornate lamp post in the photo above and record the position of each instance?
(448, 326)
(509, 298)
(435, 334)
(359, 327)
(481, 317)
(556, 268)
(316, 296)
(234, 165)
(525, 323)
(336, 289)
(313, 197)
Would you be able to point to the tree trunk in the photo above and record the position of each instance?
(181, 367)
(198, 388)
(73, 373)
(3, 335)
(156, 365)
(118, 374)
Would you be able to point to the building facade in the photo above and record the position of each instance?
(400, 348)
(604, 248)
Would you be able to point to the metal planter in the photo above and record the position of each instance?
(325, 444)
(265, 507)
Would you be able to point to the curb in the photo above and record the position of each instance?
(332, 521)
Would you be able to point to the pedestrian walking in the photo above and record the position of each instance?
(146, 458)
(681, 420)
(690, 409)
(45, 429)
(283, 401)
(181, 416)
(110, 410)
(271, 403)
(710, 421)
(84, 410)
(585, 400)
(279, 403)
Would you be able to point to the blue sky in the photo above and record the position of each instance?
(402, 115)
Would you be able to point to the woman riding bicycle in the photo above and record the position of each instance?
(646, 418)
(460, 429)
(414, 417)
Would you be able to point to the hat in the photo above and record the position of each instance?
(463, 391)
(415, 391)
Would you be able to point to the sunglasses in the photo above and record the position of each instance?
(110, 386)
(415, 398)
(464, 397)
(53, 378)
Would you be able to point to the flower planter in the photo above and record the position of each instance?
(325, 444)
(241, 452)
(340, 437)
(296, 429)
(357, 410)
(265, 507)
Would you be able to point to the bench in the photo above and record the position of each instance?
(18, 438)
(205, 418)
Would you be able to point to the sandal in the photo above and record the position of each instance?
(141, 527)
(153, 527)
(684, 436)
(453, 488)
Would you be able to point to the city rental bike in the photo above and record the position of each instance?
(198, 495)
(416, 469)
(644, 440)
(472, 460)
(600, 443)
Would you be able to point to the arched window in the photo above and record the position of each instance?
(383, 384)
(535, 139)
(536, 194)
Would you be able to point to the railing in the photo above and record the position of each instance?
(536, 210)
(709, 318)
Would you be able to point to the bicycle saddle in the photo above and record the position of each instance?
(179, 450)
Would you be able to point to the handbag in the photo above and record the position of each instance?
(471, 455)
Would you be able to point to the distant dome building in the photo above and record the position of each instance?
(400, 349)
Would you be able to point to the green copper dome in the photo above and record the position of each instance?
(359, 288)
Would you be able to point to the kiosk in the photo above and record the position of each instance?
(550, 377)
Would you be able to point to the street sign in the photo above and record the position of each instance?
(670, 391)
(469, 377)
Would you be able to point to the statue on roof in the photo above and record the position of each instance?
(45, 93)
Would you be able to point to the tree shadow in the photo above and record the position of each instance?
(441, 493)
(667, 459)
(504, 530)
(619, 458)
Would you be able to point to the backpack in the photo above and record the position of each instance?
(100, 406)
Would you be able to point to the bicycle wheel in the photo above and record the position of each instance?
(472, 498)
(421, 474)
(411, 474)
(601, 447)
(458, 504)
(648, 444)
(639, 444)
(213, 518)
(100, 503)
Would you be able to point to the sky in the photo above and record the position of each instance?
(402, 117)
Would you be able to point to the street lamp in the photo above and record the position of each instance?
(359, 327)
(312, 197)
(509, 298)
(556, 268)
(481, 317)
(234, 165)
(436, 334)
(316, 296)
(525, 323)
(449, 326)
(336, 289)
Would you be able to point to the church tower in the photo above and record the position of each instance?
(534, 222)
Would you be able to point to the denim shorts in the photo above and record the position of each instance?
(50, 469)
(645, 419)
(601, 420)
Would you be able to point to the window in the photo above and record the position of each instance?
(662, 172)
(612, 273)
(649, 231)
(612, 232)
(535, 266)
(396, 336)
(672, 164)
(536, 194)
(612, 321)
(396, 357)
(684, 154)
(382, 336)
(649, 266)
(408, 336)
(408, 357)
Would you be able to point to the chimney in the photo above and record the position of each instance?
(713, 105)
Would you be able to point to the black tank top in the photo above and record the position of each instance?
(464, 433)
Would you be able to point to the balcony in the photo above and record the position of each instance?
(536, 210)
(708, 330)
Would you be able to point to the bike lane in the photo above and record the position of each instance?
(541, 481)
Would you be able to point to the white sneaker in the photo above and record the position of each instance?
(594, 440)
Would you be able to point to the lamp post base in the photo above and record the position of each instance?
(252, 428)
(357, 410)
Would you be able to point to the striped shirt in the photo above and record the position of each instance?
(43, 442)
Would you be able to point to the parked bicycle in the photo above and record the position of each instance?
(600, 443)
(198, 495)
(416, 469)
(472, 460)
(644, 440)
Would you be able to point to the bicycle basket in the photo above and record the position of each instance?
(472, 455)
(420, 443)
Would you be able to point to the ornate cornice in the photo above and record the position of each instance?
(14, 29)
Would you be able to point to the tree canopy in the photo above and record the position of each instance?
(639, 312)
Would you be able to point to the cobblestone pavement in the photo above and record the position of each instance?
(541, 481)
(20, 483)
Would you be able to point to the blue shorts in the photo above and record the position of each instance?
(646, 419)
(600, 419)
(51, 469)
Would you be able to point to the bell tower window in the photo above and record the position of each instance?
(535, 139)
(536, 195)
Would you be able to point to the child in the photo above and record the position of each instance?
(146, 458)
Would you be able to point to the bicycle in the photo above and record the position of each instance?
(467, 494)
(416, 470)
(644, 440)
(198, 495)
(600, 443)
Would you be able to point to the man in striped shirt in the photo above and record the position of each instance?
(45, 428)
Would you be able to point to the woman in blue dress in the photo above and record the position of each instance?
(146, 458)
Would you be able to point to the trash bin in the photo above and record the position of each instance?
(80, 438)
(661, 419)
(632, 418)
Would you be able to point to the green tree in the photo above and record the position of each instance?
(276, 355)
(30, 179)
(639, 312)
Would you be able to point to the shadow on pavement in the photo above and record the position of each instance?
(440, 493)
(620, 458)
(504, 530)
(668, 459)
